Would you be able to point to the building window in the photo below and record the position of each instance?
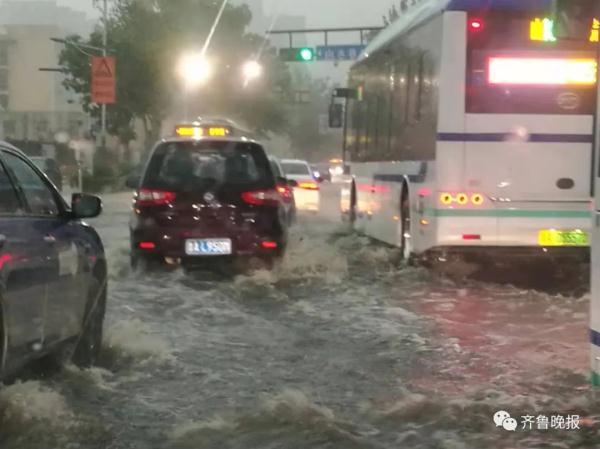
(4, 101)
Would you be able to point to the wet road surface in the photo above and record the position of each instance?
(339, 347)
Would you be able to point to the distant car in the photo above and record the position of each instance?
(53, 269)
(50, 169)
(285, 188)
(323, 171)
(307, 193)
(205, 197)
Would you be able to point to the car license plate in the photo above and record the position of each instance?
(553, 237)
(208, 247)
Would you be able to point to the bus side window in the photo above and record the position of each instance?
(419, 87)
(415, 77)
(399, 99)
(408, 91)
(390, 97)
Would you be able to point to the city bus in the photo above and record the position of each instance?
(469, 133)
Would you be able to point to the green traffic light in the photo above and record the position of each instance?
(306, 54)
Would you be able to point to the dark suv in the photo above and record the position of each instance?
(207, 199)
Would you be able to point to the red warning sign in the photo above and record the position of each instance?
(104, 84)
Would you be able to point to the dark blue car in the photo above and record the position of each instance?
(52, 269)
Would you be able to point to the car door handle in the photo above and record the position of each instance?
(50, 239)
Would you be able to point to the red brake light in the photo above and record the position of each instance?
(286, 192)
(149, 197)
(147, 245)
(262, 197)
(476, 24)
(308, 185)
(269, 245)
(471, 237)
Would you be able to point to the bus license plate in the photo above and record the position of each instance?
(208, 247)
(553, 237)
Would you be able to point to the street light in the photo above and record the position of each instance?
(252, 70)
(195, 70)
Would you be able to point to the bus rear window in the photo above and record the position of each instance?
(509, 73)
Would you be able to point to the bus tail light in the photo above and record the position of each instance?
(477, 199)
(476, 24)
(446, 199)
(462, 199)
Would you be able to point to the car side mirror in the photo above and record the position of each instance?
(132, 182)
(85, 206)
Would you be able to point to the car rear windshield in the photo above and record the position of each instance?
(295, 168)
(199, 165)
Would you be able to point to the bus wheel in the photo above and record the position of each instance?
(406, 238)
(353, 204)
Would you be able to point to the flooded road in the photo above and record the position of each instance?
(339, 347)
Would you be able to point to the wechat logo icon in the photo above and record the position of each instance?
(503, 419)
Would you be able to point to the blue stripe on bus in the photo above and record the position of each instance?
(502, 137)
(595, 337)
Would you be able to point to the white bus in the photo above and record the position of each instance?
(472, 133)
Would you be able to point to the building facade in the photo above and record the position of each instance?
(35, 105)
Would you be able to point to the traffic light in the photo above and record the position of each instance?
(302, 54)
(574, 19)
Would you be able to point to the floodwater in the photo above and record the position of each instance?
(339, 347)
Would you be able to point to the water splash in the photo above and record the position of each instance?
(135, 339)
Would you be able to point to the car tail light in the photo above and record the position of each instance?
(147, 245)
(149, 197)
(308, 185)
(269, 245)
(471, 237)
(285, 191)
(262, 197)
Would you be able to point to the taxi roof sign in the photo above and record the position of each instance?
(197, 131)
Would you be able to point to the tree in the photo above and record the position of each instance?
(148, 38)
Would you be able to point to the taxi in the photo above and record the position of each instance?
(207, 195)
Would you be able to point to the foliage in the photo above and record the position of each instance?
(148, 38)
